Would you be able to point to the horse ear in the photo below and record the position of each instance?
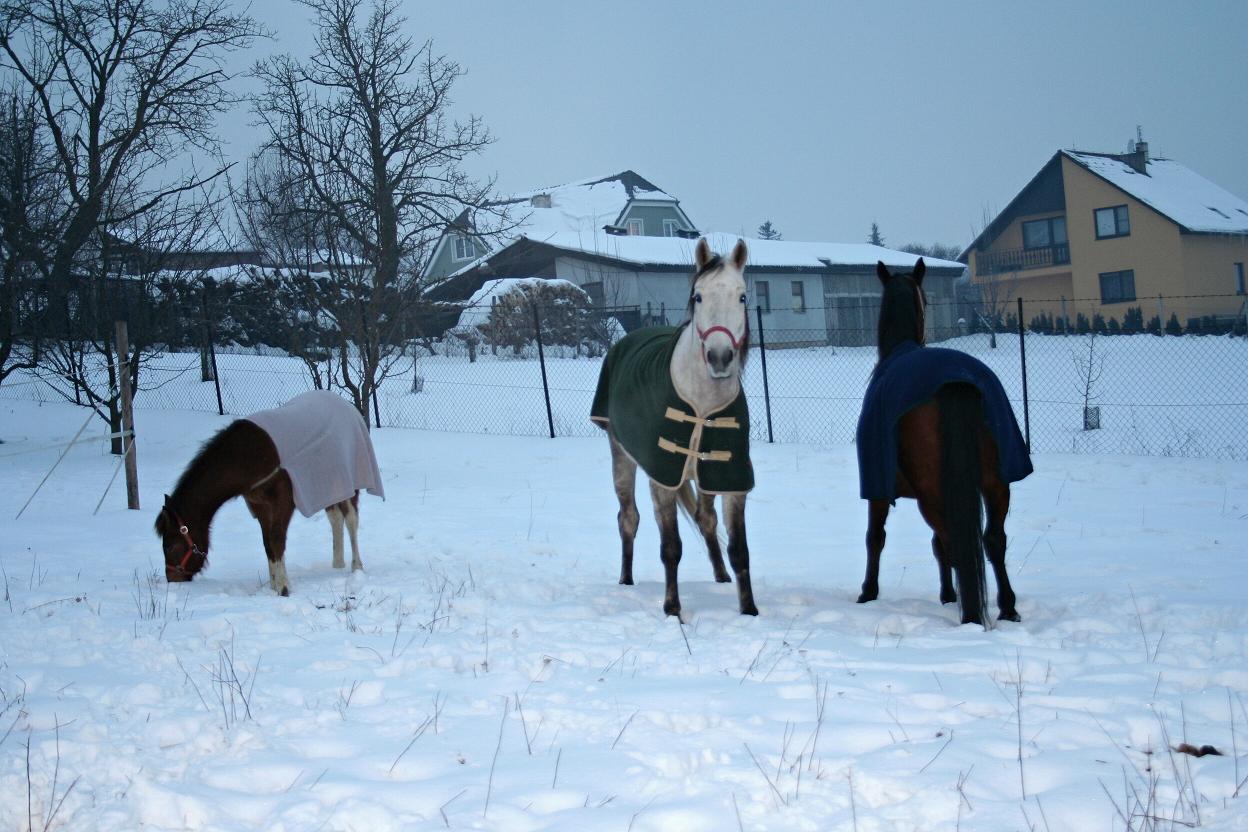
(702, 253)
(881, 271)
(920, 269)
(739, 255)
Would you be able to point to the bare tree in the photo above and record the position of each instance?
(363, 125)
(27, 199)
(123, 87)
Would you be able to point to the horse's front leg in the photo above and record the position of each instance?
(669, 543)
(274, 513)
(877, 515)
(624, 475)
(739, 551)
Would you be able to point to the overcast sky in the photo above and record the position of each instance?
(824, 117)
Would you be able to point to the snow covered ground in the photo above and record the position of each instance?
(487, 672)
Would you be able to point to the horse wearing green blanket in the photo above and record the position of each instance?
(670, 400)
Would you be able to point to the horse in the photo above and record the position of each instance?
(670, 400)
(312, 453)
(936, 426)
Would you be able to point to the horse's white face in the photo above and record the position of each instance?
(719, 315)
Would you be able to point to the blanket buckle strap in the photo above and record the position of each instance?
(703, 456)
(721, 422)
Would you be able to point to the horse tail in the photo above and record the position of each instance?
(961, 419)
(688, 502)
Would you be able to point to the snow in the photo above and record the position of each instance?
(1174, 191)
(763, 254)
(486, 671)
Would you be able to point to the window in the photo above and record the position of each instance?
(1117, 287)
(635, 228)
(464, 247)
(799, 295)
(1044, 233)
(1112, 222)
(1239, 279)
(669, 228)
(762, 294)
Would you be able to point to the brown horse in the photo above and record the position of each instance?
(243, 460)
(949, 446)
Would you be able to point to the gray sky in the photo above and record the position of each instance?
(824, 117)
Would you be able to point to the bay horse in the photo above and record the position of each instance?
(936, 426)
(670, 400)
(312, 453)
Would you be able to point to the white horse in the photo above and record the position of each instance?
(671, 401)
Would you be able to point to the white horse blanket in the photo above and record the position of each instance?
(322, 443)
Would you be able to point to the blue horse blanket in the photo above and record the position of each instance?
(911, 375)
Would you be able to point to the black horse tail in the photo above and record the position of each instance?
(961, 419)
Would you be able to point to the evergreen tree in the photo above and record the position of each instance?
(1154, 325)
(1082, 327)
(1172, 325)
(876, 238)
(767, 231)
(1133, 321)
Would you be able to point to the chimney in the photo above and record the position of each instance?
(1137, 154)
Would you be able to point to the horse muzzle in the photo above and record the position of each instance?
(719, 361)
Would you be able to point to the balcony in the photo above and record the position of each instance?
(1021, 259)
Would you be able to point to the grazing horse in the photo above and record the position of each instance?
(670, 400)
(312, 453)
(936, 426)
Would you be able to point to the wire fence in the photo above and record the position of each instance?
(1078, 384)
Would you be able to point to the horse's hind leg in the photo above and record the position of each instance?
(624, 474)
(997, 499)
(351, 508)
(669, 545)
(708, 524)
(877, 515)
(335, 515)
(739, 551)
(947, 593)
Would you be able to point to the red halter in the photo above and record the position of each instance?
(191, 548)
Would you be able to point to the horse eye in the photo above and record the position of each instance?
(743, 297)
(697, 298)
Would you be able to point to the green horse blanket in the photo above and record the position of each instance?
(660, 430)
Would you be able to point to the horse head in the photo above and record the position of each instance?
(903, 307)
(184, 558)
(717, 308)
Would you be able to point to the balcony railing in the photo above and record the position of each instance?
(1021, 259)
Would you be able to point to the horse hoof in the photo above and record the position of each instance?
(723, 579)
(626, 581)
(749, 610)
(867, 596)
(951, 598)
(1012, 615)
(285, 592)
(671, 609)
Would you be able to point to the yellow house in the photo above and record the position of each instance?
(1099, 233)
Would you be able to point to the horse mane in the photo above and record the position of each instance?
(206, 453)
(901, 314)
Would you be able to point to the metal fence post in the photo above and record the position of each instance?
(762, 351)
(212, 351)
(541, 359)
(1022, 352)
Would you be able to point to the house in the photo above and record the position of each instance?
(624, 204)
(1099, 233)
(808, 293)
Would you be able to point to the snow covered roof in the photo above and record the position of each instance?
(763, 254)
(1172, 190)
(582, 207)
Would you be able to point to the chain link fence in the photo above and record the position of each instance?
(1087, 386)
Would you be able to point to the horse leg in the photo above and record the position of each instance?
(877, 515)
(273, 507)
(352, 510)
(334, 514)
(739, 551)
(624, 474)
(947, 593)
(997, 498)
(669, 543)
(708, 524)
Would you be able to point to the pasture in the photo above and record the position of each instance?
(486, 671)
